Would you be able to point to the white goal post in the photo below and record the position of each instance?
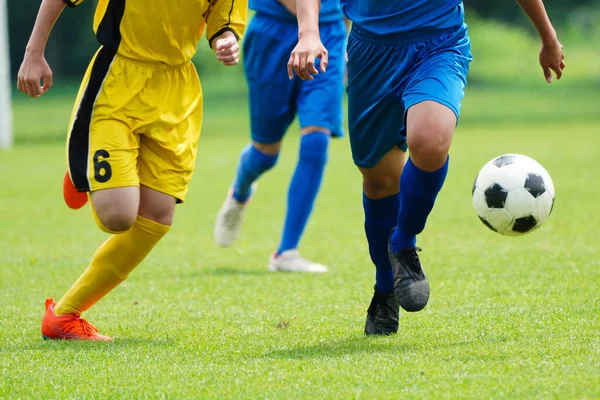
(6, 133)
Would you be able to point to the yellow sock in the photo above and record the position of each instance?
(111, 264)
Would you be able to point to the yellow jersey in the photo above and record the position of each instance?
(165, 31)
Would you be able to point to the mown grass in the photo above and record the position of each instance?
(508, 317)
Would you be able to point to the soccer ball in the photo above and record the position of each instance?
(513, 194)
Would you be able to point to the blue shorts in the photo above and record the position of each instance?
(274, 99)
(389, 74)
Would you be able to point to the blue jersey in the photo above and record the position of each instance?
(330, 10)
(383, 17)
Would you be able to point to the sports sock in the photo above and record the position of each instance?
(418, 190)
(380, 218)
(111, 264)
(253, 163)
(304, 187)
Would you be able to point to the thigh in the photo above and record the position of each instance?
(102, 149)
(375, 112)
(320, 100)
(441, 73)
(168, 147)
(266, 48)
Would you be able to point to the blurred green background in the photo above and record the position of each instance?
(504, 44)
(501, 43)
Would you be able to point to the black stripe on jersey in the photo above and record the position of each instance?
(230, 11)
(225, 29)
(72, 3)
(220, 32)
(79, 137)
(109, 30)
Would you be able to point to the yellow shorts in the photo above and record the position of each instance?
(135, 123)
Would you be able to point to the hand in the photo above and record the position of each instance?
(227, 48)
(303, 57)
(552, 59)
(33, 70)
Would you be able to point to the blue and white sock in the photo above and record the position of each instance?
(253, 163)
(380, 218)
(418, 191)
(304, 187)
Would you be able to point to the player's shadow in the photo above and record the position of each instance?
(341, 348)
(224, 271)
(92, 346)
(230, 271)
(372, 345)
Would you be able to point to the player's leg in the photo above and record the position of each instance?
(381, 205)
(430, 127)
(375, 122)
(105, 271)
(134, 236)
(302, 192)
(138, 218)
(103, 160)
(319, 105)
(255, 159)
(267, 44)
(432, 97)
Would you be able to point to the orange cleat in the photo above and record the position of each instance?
(68, 326)
(73, 198)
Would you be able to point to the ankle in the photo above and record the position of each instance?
(401, 241)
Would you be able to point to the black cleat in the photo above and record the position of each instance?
(382, 315)
(410, 283)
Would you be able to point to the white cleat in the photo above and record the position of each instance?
(292, 261)
(229, 221)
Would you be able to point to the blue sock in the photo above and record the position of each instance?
(380, 218)
(253, 163)
(304, 187)
(418, 190)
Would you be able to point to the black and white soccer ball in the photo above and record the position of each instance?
(513, 194)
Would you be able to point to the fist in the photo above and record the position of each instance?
(227, 48)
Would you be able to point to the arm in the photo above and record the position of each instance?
(225, 25)
(34, 67)
(551, 55)
(309, 46)
(307, 12)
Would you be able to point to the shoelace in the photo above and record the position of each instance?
(412, 255)
(83, 328)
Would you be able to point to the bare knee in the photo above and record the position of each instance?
(383, 179)
(116, 209)
(378, 187)
(156, 206)
(430, 127)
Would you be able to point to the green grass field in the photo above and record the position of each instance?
(508, 317)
